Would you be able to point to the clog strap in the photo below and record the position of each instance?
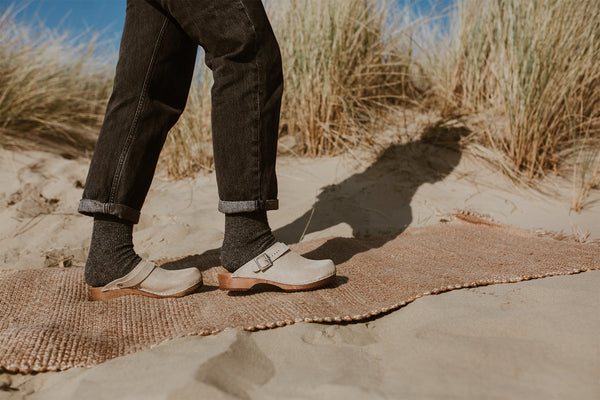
(265, 260)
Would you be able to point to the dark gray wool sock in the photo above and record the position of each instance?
(111, 254)
(246, 236)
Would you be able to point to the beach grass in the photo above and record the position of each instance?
(53, 89)
(523, 76)
(532, 70)
(344, 63)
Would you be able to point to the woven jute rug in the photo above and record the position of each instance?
(47, 322)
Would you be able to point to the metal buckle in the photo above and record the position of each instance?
(266, 262)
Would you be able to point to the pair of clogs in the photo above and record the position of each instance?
(278, 266)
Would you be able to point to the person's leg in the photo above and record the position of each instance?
(243, 54)
(152, 79)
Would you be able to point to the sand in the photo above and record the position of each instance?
(536, 339)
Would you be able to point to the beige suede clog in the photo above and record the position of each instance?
(147, 279)
(281, 267)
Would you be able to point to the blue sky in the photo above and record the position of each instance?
(107, 16)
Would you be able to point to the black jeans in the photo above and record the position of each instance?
(153, 76)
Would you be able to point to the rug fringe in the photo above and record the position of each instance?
(475, 217)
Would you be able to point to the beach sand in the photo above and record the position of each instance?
(535, 339)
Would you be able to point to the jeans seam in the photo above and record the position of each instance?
(140, 105)
(258, 108)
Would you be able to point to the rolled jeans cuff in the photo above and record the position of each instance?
(230, 207)
(91, 207)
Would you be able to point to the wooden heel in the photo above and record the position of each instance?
(226, 282)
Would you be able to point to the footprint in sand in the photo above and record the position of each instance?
(30, 202)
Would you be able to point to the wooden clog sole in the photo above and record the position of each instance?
(96, 293)
(226, 282)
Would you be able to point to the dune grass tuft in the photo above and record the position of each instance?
(343, 66)
(533, 67)
(52, 90)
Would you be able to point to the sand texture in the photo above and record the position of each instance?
(534, 339)
(52, 324)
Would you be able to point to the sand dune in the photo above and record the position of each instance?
(534, 339)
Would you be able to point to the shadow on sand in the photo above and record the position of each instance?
(375, 203)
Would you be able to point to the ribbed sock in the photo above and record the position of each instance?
(246, 236)
(111, 254)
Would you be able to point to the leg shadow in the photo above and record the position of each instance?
(375, 203)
